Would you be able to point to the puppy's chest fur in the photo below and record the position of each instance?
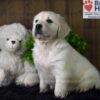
(42, 55)
(47, 56)
(42, 59)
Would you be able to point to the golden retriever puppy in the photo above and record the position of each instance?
(60, 66)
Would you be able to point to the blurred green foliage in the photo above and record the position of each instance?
(28, 45)
(76, 42)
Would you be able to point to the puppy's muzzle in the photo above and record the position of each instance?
(38, 26)
(38, 29)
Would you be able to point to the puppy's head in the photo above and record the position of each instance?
(49, 25)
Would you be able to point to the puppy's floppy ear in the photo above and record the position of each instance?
(63, 29)
(33, 27)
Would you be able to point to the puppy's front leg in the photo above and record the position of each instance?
(61, 85)
(43, 85)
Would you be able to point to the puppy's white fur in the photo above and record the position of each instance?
(11, 65)
(59, 65)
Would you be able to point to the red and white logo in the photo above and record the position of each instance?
(91, 9)
(88, 5)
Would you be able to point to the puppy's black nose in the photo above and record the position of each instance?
(38, 26)
(13, 42)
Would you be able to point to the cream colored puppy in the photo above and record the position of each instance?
(59, 65)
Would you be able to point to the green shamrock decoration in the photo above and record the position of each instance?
(75, 40)
(28, 45)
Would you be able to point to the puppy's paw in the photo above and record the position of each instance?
(43, 87)
(43, 90)
(61, 93)
(85, 86)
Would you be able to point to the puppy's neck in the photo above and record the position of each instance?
(45, 43)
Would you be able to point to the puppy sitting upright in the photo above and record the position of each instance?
(59, 65)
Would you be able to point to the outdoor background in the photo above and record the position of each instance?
(24, 10)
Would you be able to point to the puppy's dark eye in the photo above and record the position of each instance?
(36, 20)
(7, 39)
(49, 21)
